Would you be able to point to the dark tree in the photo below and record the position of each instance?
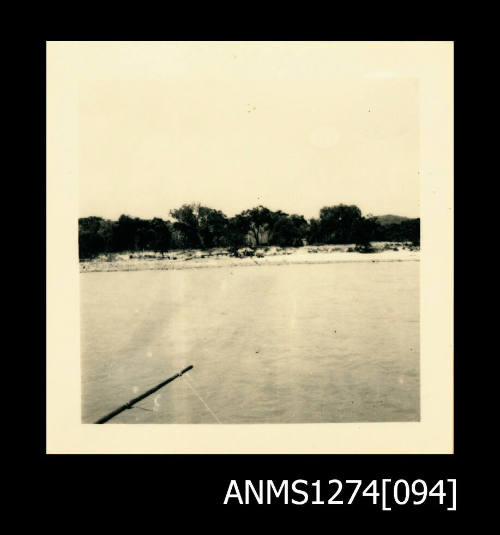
(288, 231)
(188, 225)
(200, 226)
(338, 223)
(212, 224)
(90, 242)
(125, 235)
(314, 232)
(364, 232)
(406, 230)
(236, 233)
(411, 230)
(107, 230)
(260, 223)
(144, 235)
(162, 240)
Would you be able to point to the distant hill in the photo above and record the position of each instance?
(390, 219)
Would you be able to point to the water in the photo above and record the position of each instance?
(269, 344)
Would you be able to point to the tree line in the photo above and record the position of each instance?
(195, 226)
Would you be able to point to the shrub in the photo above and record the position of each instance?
(366, 248)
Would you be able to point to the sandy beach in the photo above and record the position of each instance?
(195, 259)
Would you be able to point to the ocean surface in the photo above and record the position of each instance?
(269, 344)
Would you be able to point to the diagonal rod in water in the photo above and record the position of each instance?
(142, 396)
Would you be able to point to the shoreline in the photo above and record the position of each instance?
(263, 256)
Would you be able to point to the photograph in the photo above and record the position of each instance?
(256, 236)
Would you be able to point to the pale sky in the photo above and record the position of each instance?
(149, 146)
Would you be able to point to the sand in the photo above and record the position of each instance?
(195, 259)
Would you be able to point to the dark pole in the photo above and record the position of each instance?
(141, 397)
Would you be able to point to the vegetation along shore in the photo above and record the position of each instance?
(200, 236)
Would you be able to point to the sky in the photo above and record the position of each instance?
(149, 146)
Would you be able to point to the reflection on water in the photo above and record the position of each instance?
(269, 344)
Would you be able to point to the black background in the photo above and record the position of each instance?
(178, 490)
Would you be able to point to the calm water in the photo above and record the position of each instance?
(277, 344)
